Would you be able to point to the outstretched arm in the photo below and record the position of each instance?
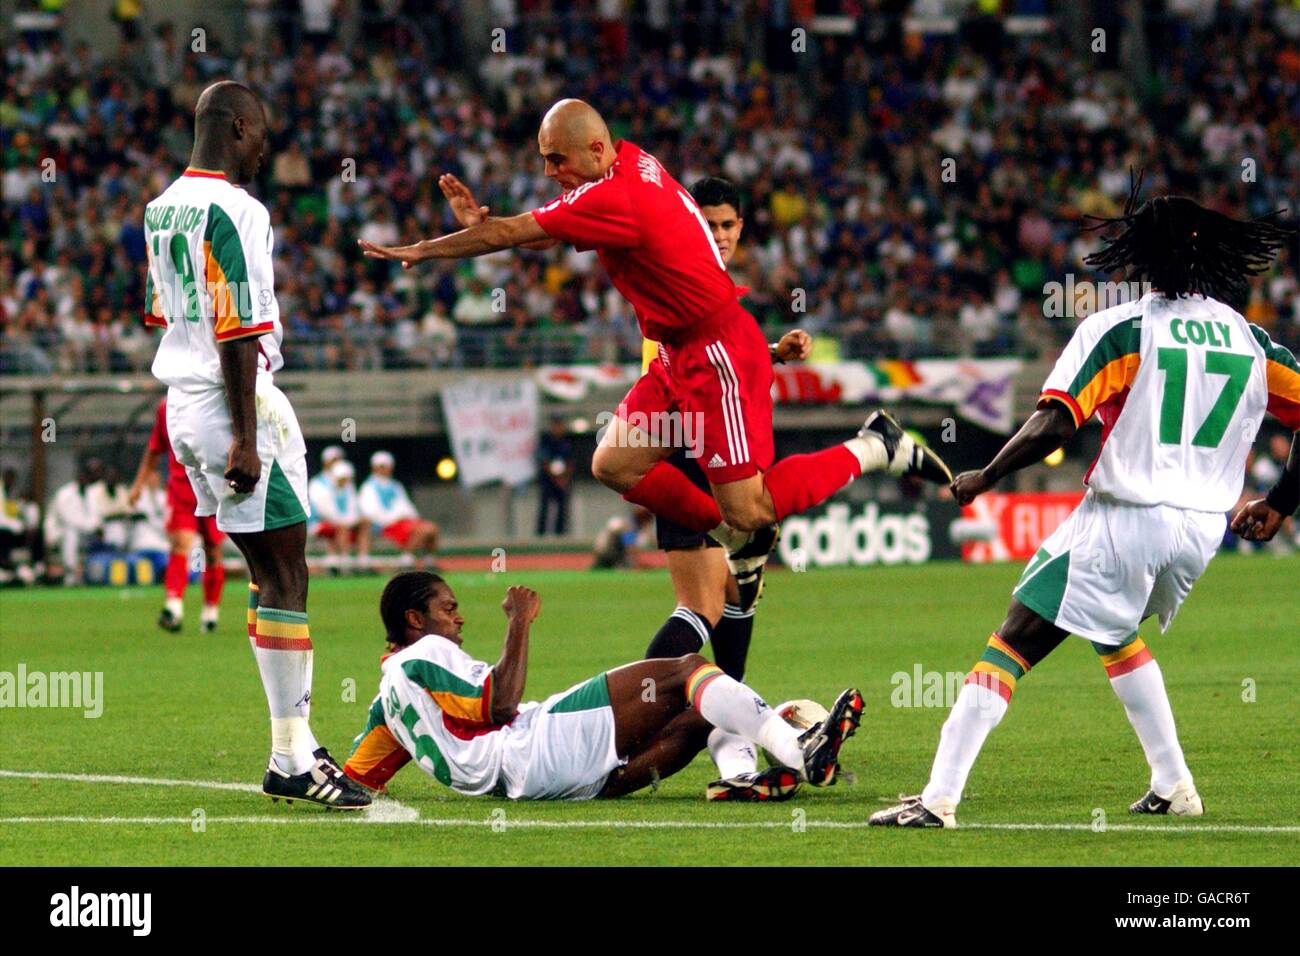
(490, 236)
(1259, 520)
(1047, 430)
(511, 671)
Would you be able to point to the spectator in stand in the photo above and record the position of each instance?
(386, 505)
(336, 517)
(19, 528)
(555, 461)
(72, 521)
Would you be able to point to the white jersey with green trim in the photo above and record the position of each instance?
(1181, 386)
(210, 279)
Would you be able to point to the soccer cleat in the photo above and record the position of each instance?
(169, 621)
(821, 743)
(324, 783)
(208, 627)
(746, 563)
(906, 457)
(773, 784)
(1183, 802)
(913, 813)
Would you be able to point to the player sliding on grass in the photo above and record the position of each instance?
(211, 287)
(462, 721)
(715, 372)
(1181, 383)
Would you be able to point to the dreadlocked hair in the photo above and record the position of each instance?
(1182, 248)
(409, 590)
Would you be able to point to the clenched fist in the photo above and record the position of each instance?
(969, 485)
(521, 604)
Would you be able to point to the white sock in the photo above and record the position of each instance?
(977, 711)
(735, 708)
(870, 452)
(210, 613)
(1142, 692)
(286, 678)
(176, 606)
(733, 755)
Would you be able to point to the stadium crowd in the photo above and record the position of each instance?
(858, 226)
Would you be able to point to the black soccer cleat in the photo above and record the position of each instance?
(1184, 801)
(906, 456)
(821, 743)
(208, 627)
(324, 784)
(169, 621)
(911, 812)
(747, 561)
(771, 785)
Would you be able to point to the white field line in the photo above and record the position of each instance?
(390, 812)
(367, 817)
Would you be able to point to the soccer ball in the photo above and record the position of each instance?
(799, 714)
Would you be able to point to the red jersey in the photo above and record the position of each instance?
(653, 242)
(158, 442)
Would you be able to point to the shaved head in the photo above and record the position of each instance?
(229, 130)
(575, 143)
(224, 101)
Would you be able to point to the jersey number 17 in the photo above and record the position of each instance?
(1173, 362)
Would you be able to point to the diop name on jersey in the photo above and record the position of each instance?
(182, 218)
(1192, 332)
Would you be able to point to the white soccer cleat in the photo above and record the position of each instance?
(1184, 801)
(912, 813)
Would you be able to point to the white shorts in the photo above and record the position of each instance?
(1111, 565)
(199, 426)
(562, 749)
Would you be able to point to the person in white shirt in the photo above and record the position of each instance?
(386, 505)
(72, 517)
(1180, 381)
(336, 517)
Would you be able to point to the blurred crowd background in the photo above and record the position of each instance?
(914, 174)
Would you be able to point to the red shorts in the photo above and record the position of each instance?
(180, 513)
(325, 530)
(721, 384)
(399, 532)
(181, 517)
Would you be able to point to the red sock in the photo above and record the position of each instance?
(801, 481)
(214, 579)
(177, 576)
(670, 494)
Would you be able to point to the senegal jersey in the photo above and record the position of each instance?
(1181, 386)
(210, 278)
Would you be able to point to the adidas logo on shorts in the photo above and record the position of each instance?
(716, 461)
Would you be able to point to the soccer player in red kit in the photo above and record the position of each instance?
(183, 529)
(714, 367)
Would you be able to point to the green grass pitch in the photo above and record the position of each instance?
(190, 708)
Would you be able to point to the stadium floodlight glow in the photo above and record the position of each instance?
(446, 469)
